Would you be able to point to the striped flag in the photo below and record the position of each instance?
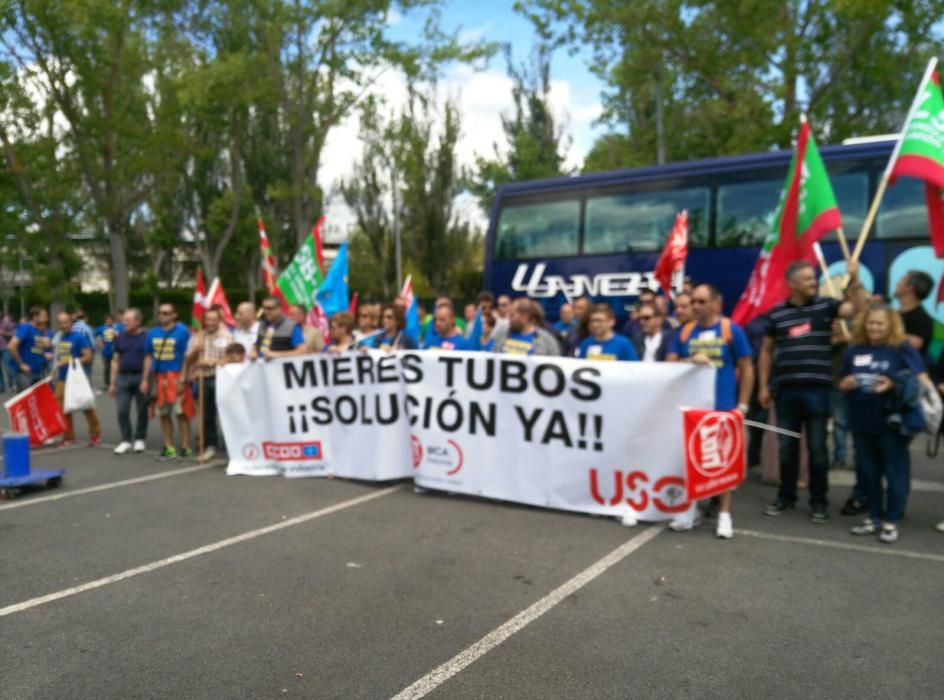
(268, 266)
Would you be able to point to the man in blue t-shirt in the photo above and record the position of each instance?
(446, 335)
(31, 348)
(603, 343)
(105, 336)
(74, 344)
(567, 323)
(711, 340)
(164, 351)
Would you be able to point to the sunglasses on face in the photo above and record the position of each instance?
(269, 308)
(165, 313)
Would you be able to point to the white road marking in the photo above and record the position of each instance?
(847, 477)
(199, 551)
(889, 550)
(444, 672)
(109, 485)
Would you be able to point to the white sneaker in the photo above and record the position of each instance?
(208, 454)
(124, 447)
(139, 446)
(940, 526)
(687, 520)
(629, 518)
(725, 529)
(418, 489)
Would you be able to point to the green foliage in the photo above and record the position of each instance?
(536, 144)
(709, 78)
(408, 176)
(173, 124)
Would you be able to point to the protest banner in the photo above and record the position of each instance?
(342, 415)
(714, 452)
(593, 437)
(35, 412)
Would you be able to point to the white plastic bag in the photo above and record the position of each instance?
(932, 408)
(78, 395)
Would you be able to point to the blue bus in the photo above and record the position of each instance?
(602, 234)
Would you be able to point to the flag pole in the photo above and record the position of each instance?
(830, 287)
(883, 183)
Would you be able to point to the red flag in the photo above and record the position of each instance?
(317, 318)
(36, 412)
(807, 211)
(199, 300)
(672, 260)
(269, 278)
(217, 297)
(352, 308)
(319, 252)
(714, 452)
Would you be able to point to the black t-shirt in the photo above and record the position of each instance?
(919, 322)
(802, 338)
(130, 349)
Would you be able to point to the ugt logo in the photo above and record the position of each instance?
(667, 494)
(714, 446)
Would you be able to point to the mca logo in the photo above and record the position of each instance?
(449, 456)
(292, 451)
(714, 446)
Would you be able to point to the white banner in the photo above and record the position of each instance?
(562, 433)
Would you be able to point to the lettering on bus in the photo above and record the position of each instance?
(612, 284)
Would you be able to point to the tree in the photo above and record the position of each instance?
(41, 204)
(536, 145)
(715, 78)
(324, 58)
(409, 174)
(91, 61)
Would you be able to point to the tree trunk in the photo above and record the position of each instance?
(119, 264)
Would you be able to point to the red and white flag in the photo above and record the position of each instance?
(672, 261)
(35, 412)
(199, 300)
(269, 276)
(217, 297)
(714, 452)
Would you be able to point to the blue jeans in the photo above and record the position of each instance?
(128, 389)
(885, 454)
(840, 429)
(800, 407)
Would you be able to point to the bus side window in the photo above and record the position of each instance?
(538, 229)
(641, 221)
(745, 210)
(903, 213)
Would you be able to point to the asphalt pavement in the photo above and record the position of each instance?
(147, 579)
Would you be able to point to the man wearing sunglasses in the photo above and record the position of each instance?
(711, 340)
(279, 336)
(652, 342)
(164, 350)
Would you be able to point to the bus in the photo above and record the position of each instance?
(600, 235)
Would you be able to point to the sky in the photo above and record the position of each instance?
(482, 97)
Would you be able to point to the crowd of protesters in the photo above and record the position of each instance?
(855, 363)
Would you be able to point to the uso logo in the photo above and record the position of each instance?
(292, 451)
(714, 446)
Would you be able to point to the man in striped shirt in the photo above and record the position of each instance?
(795, 374)
(205, 352)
